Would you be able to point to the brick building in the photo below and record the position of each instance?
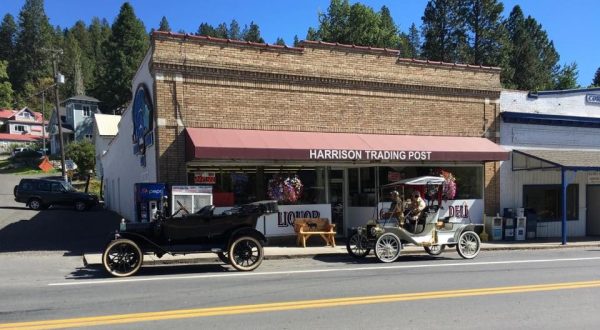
(343, 119)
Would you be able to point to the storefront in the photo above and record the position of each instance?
(554, 168)
(319, 127)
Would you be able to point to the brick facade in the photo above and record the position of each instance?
(318, 87)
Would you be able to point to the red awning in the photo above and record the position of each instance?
(215, 143)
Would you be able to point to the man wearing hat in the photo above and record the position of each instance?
(396, 209)
(416, 206)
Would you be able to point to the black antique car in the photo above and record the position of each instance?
(232, 235)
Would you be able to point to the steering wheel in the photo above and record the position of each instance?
(181, 207)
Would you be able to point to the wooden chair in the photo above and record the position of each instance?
(306, 227)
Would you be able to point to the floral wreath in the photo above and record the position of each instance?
(285, 189)
(449, 186)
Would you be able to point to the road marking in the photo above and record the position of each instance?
(311, 271)
(291, 305)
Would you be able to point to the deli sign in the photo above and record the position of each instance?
(205, 178)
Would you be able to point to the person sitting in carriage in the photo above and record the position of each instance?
(414, 210)
(396, 211)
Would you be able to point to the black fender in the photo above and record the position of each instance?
(143, 242)
(246, 231)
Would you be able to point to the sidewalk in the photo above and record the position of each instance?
(281, 249)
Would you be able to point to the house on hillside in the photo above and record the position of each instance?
(106, 128)
(20, 126)
(76, 119)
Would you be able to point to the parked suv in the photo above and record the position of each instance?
(42, 193)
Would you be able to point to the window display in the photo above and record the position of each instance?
(544, 202)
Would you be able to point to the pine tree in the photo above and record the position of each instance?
(280, 42)
(444, 31)
(296, 41)
(8, 32)
(596, 81)
(164, 25)
(567, 77)
(333, 26)
(414, 40)
(221, 31)
(234, 30)
(484, 21)
(253, 34)
(207, 30)
(388, 31)
(123, 53)
(31, 60)
(312, 34)
(363, 26)
(99, 32)
(6, 91)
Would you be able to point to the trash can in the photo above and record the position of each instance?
(508, 229)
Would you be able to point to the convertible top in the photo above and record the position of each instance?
(418, 181)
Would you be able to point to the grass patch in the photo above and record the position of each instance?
(94, 187)
(8, 166)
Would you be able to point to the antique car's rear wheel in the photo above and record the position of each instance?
(468, 245)
(122, 257)
(223, 256)
(245, 253)
(388, 247)
(358, 245)
(435, 250)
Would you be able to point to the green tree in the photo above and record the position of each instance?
(235, 32)
(123, 53)
(363, 26)
(388, 31)
(31, 57)
(6, 91)
(8, 32)
(296, 41)
(312, 34)
(252, 34)
(567, 77)
(164, 25)
(414, 41)
(280, 42)
(221, 31)
(596, 80)
(333, 25)
(82, 153)
(444, 31)
(206, 29)
(484, 22)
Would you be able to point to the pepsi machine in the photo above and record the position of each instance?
(148, 200)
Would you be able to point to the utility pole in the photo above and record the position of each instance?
(43, 125)
(57, 80)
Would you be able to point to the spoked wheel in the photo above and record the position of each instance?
(245, 253)
(468, 245)
(435, 250)
(223, 256)
(35, 204)
(358, 245)
(122, 257)
(388, 247)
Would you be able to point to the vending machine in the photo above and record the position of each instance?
(521, 229)
(148, 200)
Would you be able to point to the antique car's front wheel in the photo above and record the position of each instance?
(245, 253)
(358, 245)
(468, 245)
(122, 257)
(388, 247)
(435, 250)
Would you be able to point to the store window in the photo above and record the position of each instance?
(544, 202)
(361, 186)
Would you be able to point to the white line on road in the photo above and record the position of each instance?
(309, 271)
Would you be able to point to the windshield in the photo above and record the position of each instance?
(68, 187)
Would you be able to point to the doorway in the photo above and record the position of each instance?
(337, 198)
(592, 227)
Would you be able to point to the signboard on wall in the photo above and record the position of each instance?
(205, 178)
(468, 210)
(592, 98)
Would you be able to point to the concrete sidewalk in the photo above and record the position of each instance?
(289, 252)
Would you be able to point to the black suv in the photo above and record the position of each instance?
(42, 193)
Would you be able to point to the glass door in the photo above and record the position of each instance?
(337, 198)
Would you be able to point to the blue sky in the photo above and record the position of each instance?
(572, 25)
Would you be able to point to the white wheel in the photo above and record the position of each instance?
(245, 253)
(468, 245)
(435, 250)
(388, 247)
(35, 204)
(122, 257)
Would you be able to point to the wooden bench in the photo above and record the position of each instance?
(306, 227)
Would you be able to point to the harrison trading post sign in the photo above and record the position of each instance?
(333, 154)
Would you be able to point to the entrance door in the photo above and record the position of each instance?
(593, 211)
(337, 191)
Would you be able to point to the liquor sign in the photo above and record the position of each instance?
(205, 178)
(592, 98)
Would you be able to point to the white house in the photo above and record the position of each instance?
(553, 135)
(106, 128)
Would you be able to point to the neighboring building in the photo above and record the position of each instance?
(344, 119)
(106, 128)
(20, 126)
(76, 118)
(551, 132)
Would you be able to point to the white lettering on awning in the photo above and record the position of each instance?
(344, 154)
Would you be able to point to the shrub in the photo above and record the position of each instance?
(83, 154)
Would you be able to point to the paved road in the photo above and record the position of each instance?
(56, 230)
(417, 291)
